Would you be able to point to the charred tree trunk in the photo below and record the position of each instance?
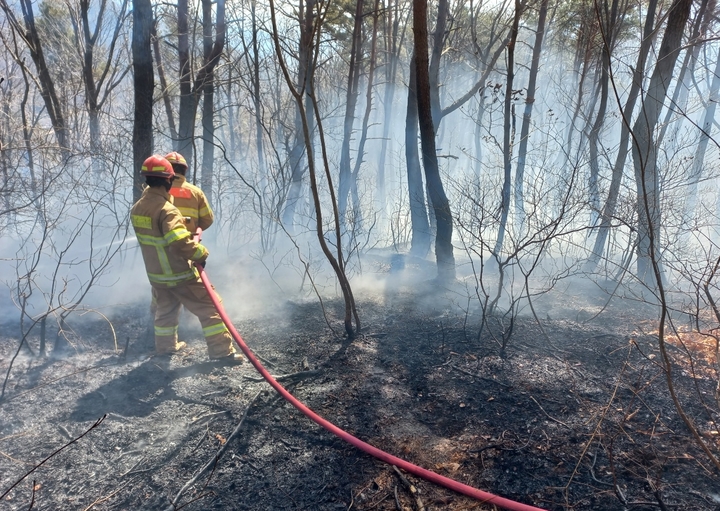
(392, 25)
(594, 136)
(507, 135)
(372, 62)
(350, 105)
(366, 119)
(295, 158)
(336, 262)
(705, 137)
(144, 84)
(608, 211)
(192, 89)
(644, 149)
(527, 115)
(164, 86)
(420, 235)
(208, 92)
(441, 206)
(679, 101)
(94, 77)
(31, 37)
(438, 42)
(186, 110)
(257, 102)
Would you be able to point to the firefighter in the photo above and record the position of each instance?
(168, 251)
(188, 198)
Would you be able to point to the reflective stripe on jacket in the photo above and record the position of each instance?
(166, 245)
(192, 203)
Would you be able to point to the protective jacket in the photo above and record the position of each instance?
(166, 244)
(192, 203)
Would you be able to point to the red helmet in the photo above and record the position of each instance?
(176, 159)
(158, 166)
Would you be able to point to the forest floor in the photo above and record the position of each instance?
(572, 415)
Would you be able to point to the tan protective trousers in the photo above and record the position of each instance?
(194, 297)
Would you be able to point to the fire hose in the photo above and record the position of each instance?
(428, 475)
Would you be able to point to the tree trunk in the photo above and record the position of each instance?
(705, 137)
(680, 96)
(441, 207)
(350, 104)
(507, 133)
(608, 211)
(391, 62)
(527, 114)
(30, 35)
(594, 136)
(295, 158)
(187, 107)
(208, 110)
(144, 84)
(438, 42)
(336, 263)
(191, 89)
(644, 149)
(420, 236)
(164, 87)
(372, 62)
(94, 76)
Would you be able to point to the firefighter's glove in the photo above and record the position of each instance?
(202, 263)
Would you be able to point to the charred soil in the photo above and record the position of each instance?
(570, 414)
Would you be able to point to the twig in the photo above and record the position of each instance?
(21, 462)
(481, 377)
(109, 496)
(592, 471)
(491, 446)
(662, 505)
(32, 500)
(95, 425)
(50, 382)
(411, 488)
(112, 329)
(597, 427)
(213, 462)
(284, 377)
(214, 393)
(548, 415)
(127, 342)
(133, 467)
(201, 439)
(397, 501)
(209, 415)
(65, 432)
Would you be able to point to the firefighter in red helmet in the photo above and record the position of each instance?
(168, 251)
(189, 199)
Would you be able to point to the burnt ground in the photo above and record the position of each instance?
(575, 415)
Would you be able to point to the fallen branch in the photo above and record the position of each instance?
(398, 506)
(95, 425)
(548, 415)
(210, 465)
(410, 487)
(136, 465)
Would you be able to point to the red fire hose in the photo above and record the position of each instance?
(428, 475)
